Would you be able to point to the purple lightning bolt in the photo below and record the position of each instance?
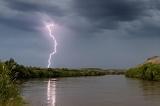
(55, 44)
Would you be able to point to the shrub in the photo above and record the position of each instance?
(9, 92)
(148, 71)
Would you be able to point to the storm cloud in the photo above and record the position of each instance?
(118, 29)
(79, 15)
(106, 13)
(26, 15)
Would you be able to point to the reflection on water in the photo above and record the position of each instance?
(51, 93)
(151, 90)
(110, 90)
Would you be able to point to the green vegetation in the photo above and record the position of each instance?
(9, 93)
(23, 72)
(109, 71)
(115, 72)
(148, 71)
(11, 73)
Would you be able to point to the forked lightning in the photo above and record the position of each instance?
(55, 44)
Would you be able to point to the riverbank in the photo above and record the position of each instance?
(9, 91)
(148, 71)
(11, 72)
(23, 72)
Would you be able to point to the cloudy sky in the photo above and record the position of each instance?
(90, 33)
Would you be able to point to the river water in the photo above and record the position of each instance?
(109, 90)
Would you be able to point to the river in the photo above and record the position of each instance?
(109, 90)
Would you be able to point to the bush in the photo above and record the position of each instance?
(9, 92)
(148, 71)
(23, 72)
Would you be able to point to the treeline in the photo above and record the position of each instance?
(22, 72)
(109, 71)
(9, 92)
(148, 71)
(115, 72)
(11, 73)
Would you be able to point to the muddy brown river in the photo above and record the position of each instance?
(109, 90)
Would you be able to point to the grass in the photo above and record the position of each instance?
(9, 92)
(148, 71)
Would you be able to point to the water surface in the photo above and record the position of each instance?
(109, 90)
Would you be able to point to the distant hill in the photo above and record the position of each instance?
(90, 69)
(154, 59)
(110, 70)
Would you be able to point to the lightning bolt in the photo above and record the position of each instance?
(55, 44)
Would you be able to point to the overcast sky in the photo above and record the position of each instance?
(103, 34)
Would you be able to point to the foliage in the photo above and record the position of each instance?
(117, 72)
(9, 93)
(11, 72)
(148, 71)
(23, 72)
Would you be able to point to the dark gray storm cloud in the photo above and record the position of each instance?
(144, 29)
(35, 7)
(25, 24)
(24, 15)
(22, 6)
(80, 15)
(108, 13)
(141, 16)
(90, 33)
